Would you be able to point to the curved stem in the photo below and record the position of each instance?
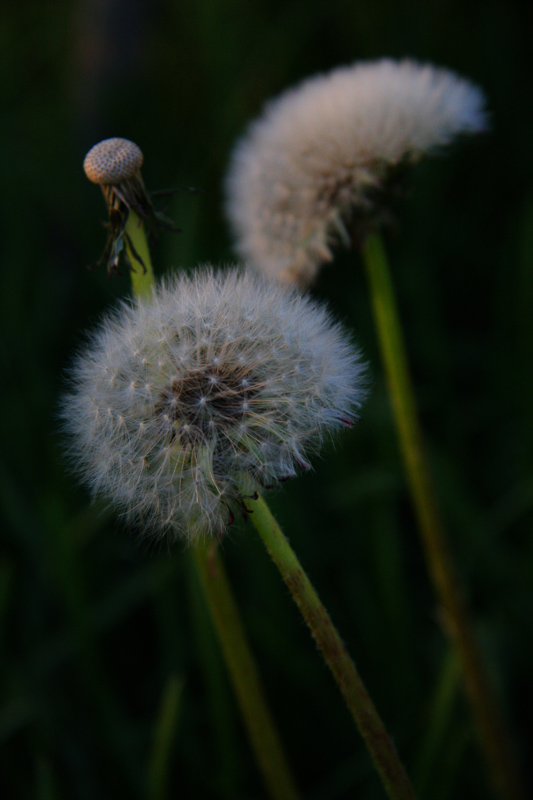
(243, 673)
(489, 724)
(384, 755)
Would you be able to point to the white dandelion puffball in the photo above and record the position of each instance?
(218, 385)
(325, 152)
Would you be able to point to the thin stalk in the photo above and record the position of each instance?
(218, 692)
(489, 724)
(238, 656)
(243, 673)
(367, 719)
(164, 732)
(142, 279)
(439, 723)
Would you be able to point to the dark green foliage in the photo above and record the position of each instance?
(96, 627)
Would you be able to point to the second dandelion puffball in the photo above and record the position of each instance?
(323, 158)
(216, 386)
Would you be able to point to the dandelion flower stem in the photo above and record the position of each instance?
(243, 673)
(142, 280)
(490, 726)
(384, 755)
(165, 728)
(222, 606)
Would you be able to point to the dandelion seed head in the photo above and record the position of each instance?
(194, 421)
(329, 151)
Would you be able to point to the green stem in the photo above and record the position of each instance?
(386, 760)
(142, 279)
(165, 729)
(439, 723)
(490, 726)
(219, 694)
(243, 672)
(239, 660)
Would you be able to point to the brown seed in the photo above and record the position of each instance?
(112, 161)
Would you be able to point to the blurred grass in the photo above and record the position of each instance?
(93, 621)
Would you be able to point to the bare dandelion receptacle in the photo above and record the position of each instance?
(113, 161)
(115, 165)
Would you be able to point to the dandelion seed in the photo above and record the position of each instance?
(327, 158)
(218, 419)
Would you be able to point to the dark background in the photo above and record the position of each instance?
(96, 625)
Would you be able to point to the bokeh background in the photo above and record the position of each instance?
(100, 631)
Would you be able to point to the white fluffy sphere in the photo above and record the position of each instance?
(216, 386)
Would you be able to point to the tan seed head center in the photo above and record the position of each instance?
(112, 161)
